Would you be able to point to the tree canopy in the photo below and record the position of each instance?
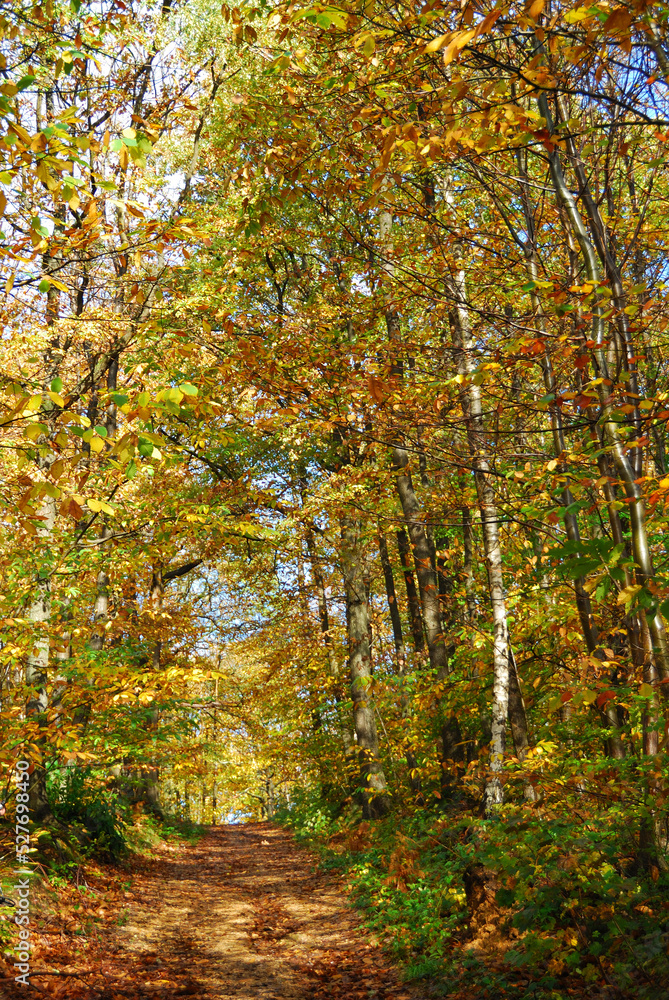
(334, 402)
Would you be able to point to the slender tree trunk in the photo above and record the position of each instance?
(413, 601)
(151, 774)
(518, 722)
(37, 665)
(39, 613)
(422, 542)
(473, 410)
(394, 611)
(623, 467)
(610, 714)
(324, 619)
(412, 763)
(372, 778)
(427, 583)
(517, 716)
(468, 566)
(214, 803)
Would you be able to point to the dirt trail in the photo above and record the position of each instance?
(240, 916)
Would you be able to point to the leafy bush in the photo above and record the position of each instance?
(565, 912)
(78, 799)
(308, 815)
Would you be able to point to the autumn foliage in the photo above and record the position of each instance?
(334, 466)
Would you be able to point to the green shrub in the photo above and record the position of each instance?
(78, 799)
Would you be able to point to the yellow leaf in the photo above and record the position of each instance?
(626, 595)
(56, 398)
(646, 691)
(96, 444)
(463, 39)
(94, 505)
(438, 43)
(134, 209)
(573, 16)
(457, 43)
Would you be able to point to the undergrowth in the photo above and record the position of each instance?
(531, 904)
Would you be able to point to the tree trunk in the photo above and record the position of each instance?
(427, 583)
(375, 800)
(37, 665)
(517, 716)
(324, 619)
(395, 618)
(473, 411)
(413, 602)
(589, 629)
(623, 467)
(468, 566)
(412, 763)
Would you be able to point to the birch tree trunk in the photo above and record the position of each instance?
(37, 665)
(493, 795)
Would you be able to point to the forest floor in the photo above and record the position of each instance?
(243, 914)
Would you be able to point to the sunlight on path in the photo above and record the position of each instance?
(243, 915)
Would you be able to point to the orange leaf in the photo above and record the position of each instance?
(378, 390)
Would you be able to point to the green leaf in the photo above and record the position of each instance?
(44, 285)
(57, 385)
(188, 389)
(25, 81)
(505, 897)
(616, 553)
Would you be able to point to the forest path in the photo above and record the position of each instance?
(241, 915)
